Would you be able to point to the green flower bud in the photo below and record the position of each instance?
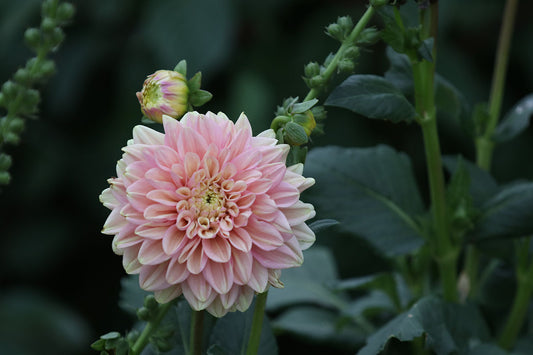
(295, 134)
(5, 178)
(48, 68)
(22, 76)
(352, 52)
(10, 90)
(346, 23)
(64, 12)
(32, 36)
(48, 24)
(57, 37)
(11, 138)
(16, 125)
(312, 69)
(150, 302)
(144, 314)
(306, 121)
(346, 66)
(335, 31)
(2, 100)
(369, 36)
(132, 336)
(279, 122)
(316, 81)
(5, 162)
(164, 93)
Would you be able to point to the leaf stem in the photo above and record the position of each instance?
(484, 144)
(524, 291)
(330, 69)
(151, 326)
(197, 327)
(424, 76)
(257, 323)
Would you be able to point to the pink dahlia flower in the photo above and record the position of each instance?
(207, 210)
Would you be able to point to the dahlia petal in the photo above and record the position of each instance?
(165, 197)
(259, 278)
(242, 267)
(248, 176)
(107, 199)
(281, 223)
(136, 193)
(264, 235)
(173, 240)
(172, 128)
(176, 272)
(132, 215)
(259, 186)
(228, 299)
(160, 213)
(240, 239)
(151, 231)
(145, 135)
(216, 308)
(217, 249)
(152, 277)
(285, 195)
(198, 292)
(114, 223)
(197, 260)
(242, 219)
(129, 260)
(191, 141)
(299, 213)
(269, 133)
(165, 157)
(246, 201)
(245, 299)
(304, 235)
(191, 162)
(275, 154)
(228, 171)
(160, 179)
(136, 170)
(219, 276)
(247, 160)
(274, 171)
(243, 125)
(151, 253)
(126, 239)
(273, 278)
(168, 294)
(286, 256)
(297, 168)
(264, 207)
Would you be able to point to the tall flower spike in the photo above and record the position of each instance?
(164, 92)
(208, 211)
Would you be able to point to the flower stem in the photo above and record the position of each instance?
(521, 300)
(257, 323)
(151, 326)
(423, 75)
(197, 327)
(330, 69)
(484, 144)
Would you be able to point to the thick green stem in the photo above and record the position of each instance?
(423, 75)
(330, 69)
(521, 300)
(257, 324)
(197, 327)
(484, 144)
(151, 326)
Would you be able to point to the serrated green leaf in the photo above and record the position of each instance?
(320, 325)
(303, 106)
(448, 327)
(232, 331)
(509, 214)
(515, 121)
(310, 283)
(131, 294)
(373, 97)
(383, 195)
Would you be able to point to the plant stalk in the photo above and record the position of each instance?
(257, 324)
(330, 69)
(197, 327)
(151, 326)
(424, 76)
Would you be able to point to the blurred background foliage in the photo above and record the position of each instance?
(59, 279)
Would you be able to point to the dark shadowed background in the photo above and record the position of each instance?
(59, 279)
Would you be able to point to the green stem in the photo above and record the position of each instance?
(424, 75)
(484, 144)
(330, 69)
(472, 270)
(257, 323)
(151, 326)
(521, 300)
(197, 327)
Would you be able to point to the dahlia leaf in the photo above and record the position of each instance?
(508, 214)
(515, 121)
(383, 202)
(447, 327)
(373, 97)
(231, 332)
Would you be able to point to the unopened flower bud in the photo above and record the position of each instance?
(346, 66)
(335, 31)
(316, 81)
(48, 24)
(369, 36)
(32, 36)
(346, 23)
(311, 69)
(64, 12)
(164, 93)
(306, 120)
(295, 134)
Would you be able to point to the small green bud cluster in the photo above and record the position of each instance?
(114, 343)
(340, 29)
(18, 96)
